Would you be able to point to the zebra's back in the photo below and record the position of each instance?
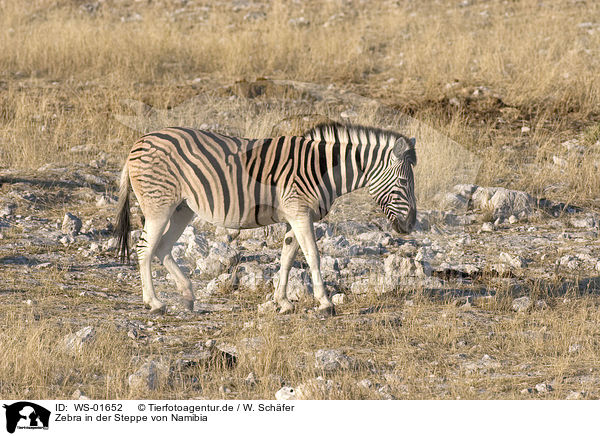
(229, 181)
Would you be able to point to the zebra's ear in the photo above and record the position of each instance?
(405, 149)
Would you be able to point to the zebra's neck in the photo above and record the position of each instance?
(364, 151)
(347, 167)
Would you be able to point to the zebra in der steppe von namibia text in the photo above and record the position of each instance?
(246, 183)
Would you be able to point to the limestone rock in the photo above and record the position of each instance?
(299, 284)
(487, 227)
(79, 395)
(575, 395)
(223, 280)
(254, 276)
(316, 388)
(286, 393)
(369, 285)
(149, 376)
(512, 260)
(332, 360)
(338, 299)
(196, 244)
(74, 343)
(398, 268)
(454, 202)
(221, 258)
(543, 388)
(267, 307)
(71, 224)
(503, 202)
(521, 304)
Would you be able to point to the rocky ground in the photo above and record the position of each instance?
(492, 258)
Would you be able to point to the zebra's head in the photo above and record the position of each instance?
(394, 187)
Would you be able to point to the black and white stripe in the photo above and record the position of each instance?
(244, 183)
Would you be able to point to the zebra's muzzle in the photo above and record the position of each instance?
(407, 225)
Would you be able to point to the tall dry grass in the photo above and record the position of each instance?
(65, 71)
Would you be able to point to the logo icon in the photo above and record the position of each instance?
(26, 415)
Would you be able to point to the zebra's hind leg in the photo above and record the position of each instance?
(154, 228)
(179, 220)
(288, 254)
(305, 233)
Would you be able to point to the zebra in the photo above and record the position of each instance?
(241, 183)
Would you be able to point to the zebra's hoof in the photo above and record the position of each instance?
(159, 309)
(188, 304)
(286, 308)
(326, 311)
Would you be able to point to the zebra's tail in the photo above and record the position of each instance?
(123, 218)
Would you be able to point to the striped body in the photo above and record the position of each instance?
(245, 183)
(242, 183)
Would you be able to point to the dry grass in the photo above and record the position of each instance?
(437, 351)
(476, 74)
(66, 72)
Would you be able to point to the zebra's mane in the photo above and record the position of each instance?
(352, 134)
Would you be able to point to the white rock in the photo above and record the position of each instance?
(512, 260)
(365, 383)
(569, 262)
(503, 202)
(217, 283)
(299, 284)
(66, 240)
(79, 395)
(221, 259)
(575, 395)
(149, 376)
(251, 380)
(338, 298)
(267, 307)
(454, 202)
(543, 388)
(332, 360)
(75, 342)
(195, 243)
(210, 343)
(323, 230)
(286, 393)
(587, 222)
(487, 227)
(71, 224)
(464, 190)
(398, 267)
(316, 387)
(111, 244)
(253, 276)
(521, 304)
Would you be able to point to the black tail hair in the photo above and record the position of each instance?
(123, 225)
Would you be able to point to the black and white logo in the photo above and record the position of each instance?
(26, 415)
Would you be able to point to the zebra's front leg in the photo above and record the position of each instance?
(305, 233)
(288, 254)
